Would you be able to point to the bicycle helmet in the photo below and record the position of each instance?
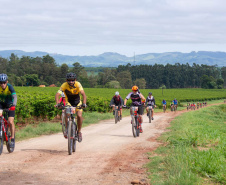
(71, 76)
(3, 77)
(150, 93)
(134, 88)
(63, 95)
(116, 93)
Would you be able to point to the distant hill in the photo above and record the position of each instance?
(110, 59)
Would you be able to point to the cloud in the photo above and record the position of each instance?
(76, 23)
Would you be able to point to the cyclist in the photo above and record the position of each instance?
(175, 102)
(136, 101)
(171, 105)
(117, 101)
(150, 101)
(62, 99)
(164, 103)
(71, 89)
(8, 99)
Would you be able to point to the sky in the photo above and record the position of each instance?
(128, 27)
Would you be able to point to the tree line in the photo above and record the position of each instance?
(29, 71)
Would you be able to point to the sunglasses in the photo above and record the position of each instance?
(71, 80)
(2, 82)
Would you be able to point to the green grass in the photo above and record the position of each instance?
(196, 149)
(35, 130)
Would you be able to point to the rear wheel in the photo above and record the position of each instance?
(70, 137)
(1, 139)
(63, 123)
(133, 127)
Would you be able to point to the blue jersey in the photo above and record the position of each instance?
(175, 102)
(164, 102)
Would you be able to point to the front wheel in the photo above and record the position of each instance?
(8, 143)
(137, 127)
(75, 136)
(133, 123)
(70, 137)
(149, 116)
(116, 116)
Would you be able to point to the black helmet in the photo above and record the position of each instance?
(71, 76)
(150, 93)
(3, 77)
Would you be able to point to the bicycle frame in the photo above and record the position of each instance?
(4, 134)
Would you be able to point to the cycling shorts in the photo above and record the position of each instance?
(11, 113)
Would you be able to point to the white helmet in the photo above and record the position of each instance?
(116, 93)
(63, 95)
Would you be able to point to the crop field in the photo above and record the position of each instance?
(39, 101)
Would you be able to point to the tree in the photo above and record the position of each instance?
(113, 85)
(77, 69)
(125, 79)
(141, 83)
(220, 83)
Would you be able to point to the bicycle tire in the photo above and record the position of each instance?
(1, 139)
(149, 116)
(63, 123)
(74, 128)
(137, 127)
(8, 143)
(116, 116)
(134, 127)
(70, 137)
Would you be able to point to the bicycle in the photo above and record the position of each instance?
(172, 107)
(150, 113)
(164, 108)
(117, 117)
(5, 133)
(72, 127)
(134, 121)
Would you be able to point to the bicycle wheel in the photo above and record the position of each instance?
(116, 116)
(1, 139)
(70, 137)
(8, 143)
(63, 123)
(133, 127)
(149, 116)
(137, 127)
(74, 128)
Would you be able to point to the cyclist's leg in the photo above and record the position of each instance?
(11, 116)
(12, 126)
(152, 110)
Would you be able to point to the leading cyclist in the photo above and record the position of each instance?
(8, 99)
(71, 89)
(136, 98)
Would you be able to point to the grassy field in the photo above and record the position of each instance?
(195, 151)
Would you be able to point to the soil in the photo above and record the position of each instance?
(108, 154)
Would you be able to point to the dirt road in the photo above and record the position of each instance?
(108, 154)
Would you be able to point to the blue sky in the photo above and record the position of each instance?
(88, 27)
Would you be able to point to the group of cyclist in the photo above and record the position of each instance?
(70, 96)
(198, 105)
(138, 100)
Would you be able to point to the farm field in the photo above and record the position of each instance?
(39, 102)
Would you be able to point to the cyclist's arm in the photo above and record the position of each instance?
(125, 101)
(84, 96)
(57, 97)
(112, 101)
(142, 97)
(14, 99)
(121, 101)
